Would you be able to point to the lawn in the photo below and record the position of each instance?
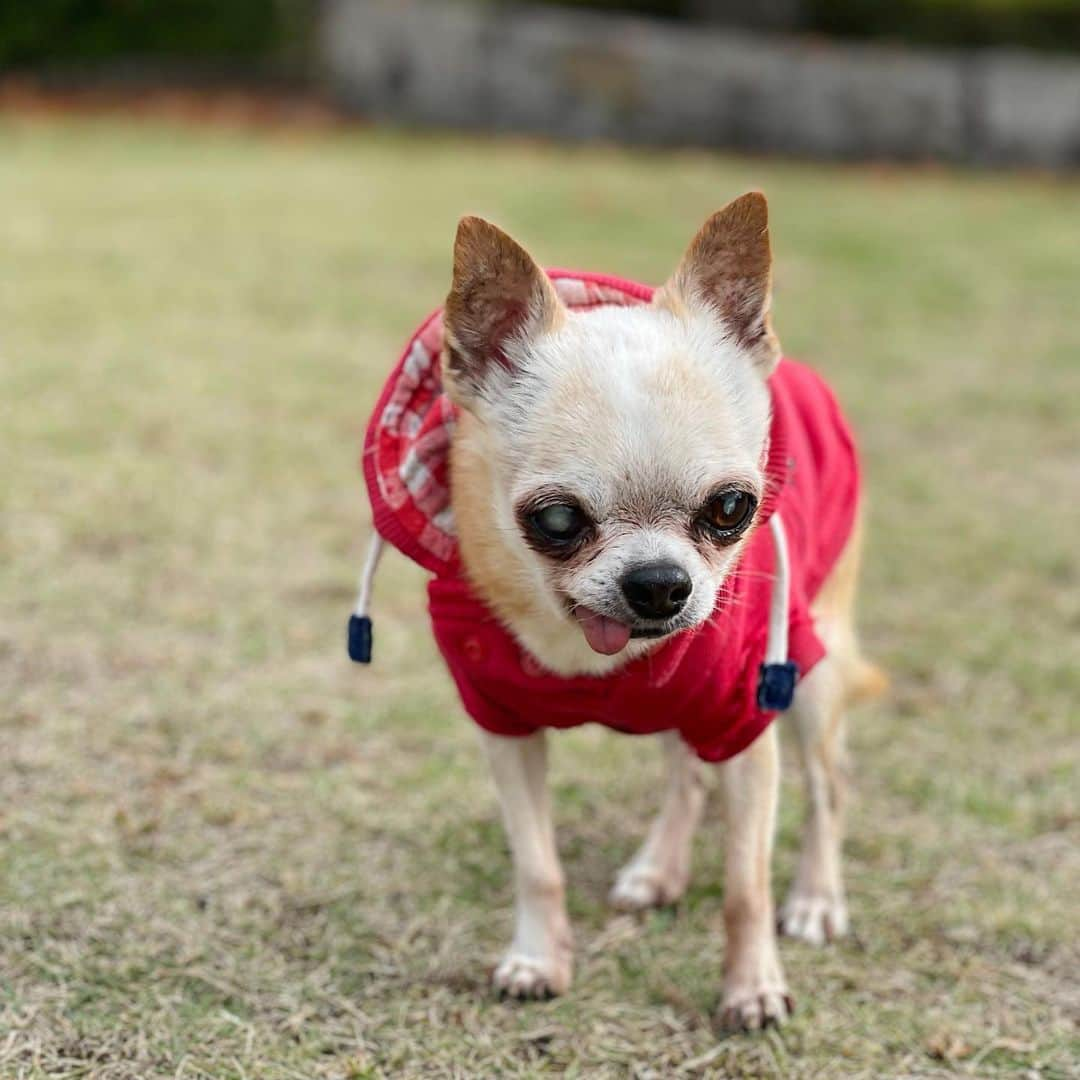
(226, 852)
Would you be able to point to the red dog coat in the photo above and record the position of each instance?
(701, 682)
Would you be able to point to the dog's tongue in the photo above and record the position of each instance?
(604, 635)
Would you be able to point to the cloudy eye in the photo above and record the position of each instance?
(560, 522)
(729, 513)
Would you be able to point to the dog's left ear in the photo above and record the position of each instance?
(728, 270)
(499, 299)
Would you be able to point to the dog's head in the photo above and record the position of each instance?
(625, 442)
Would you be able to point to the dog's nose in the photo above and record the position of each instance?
(657, 590)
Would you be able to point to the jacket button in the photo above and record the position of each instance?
(530, 666)
(473, 649)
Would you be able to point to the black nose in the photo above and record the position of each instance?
(657, 590)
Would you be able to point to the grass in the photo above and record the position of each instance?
(227, 853)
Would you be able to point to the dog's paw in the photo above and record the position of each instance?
(755, 1009)
(638, 888)
(526, 977)
(813, 919)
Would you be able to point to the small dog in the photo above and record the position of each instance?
(590, 475)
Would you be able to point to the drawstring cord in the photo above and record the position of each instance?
(776, 647)
(777, 675)
(360, 634)
(776, 679)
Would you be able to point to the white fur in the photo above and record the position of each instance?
(625, 407)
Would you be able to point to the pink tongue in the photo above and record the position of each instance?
(604, 635)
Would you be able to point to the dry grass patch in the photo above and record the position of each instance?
(226, 853)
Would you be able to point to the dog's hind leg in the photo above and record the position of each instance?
(816, 910)
(539, 962)
(658, 874)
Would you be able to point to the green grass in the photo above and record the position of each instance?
(225, 852)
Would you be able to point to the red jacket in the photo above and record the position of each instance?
(701, 682)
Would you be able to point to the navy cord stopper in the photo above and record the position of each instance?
(776, 686)
(360, 639)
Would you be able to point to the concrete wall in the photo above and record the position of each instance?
(578, 75)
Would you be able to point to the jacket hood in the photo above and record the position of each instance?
(406, 450)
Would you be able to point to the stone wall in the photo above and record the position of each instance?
(582, 75)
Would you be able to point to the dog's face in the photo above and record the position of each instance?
(626, 443)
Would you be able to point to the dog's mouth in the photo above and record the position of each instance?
(603, 633)
(607, 635)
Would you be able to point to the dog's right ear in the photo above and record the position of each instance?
(499, 299)
(727, 270)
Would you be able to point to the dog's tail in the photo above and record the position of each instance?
(865, 682)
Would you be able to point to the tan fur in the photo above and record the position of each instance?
(489, 563)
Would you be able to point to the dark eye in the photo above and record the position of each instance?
(729, 512)
(559, 522)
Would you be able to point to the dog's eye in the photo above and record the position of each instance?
(729, 512)
(560, 522)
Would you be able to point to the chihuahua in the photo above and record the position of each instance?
(639, 514)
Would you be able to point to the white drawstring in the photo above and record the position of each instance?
(360, 633)
(367, 575)
(776, 647)
(778, 675)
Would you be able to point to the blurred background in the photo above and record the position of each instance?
(956, 80)
(226, 852)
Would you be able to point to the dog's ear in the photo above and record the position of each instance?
(728, 270)
(499, 299)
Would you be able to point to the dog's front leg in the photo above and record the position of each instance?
(539, 961)
(755, 993)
